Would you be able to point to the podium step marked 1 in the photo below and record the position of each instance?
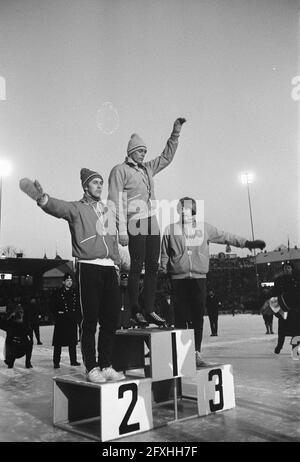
(115, 409)
(172, 352)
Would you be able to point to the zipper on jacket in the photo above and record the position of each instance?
(100, 217)
(107, 251)
(134, 197)
(189, 252)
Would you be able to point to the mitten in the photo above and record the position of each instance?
(33, 189)
(177, 125)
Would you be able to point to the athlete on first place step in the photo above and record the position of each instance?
(131, 190)
(141, 300)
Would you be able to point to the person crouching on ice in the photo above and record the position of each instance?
(97, 253)
(18, 342)
(185, 257)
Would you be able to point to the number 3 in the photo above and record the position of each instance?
(218, 387)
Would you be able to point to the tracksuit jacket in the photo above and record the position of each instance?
(184, 257)
(135, 187)
(84, 220)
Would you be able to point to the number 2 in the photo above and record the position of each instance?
(124, 427)
(218, 387)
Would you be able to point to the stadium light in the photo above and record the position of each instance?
(246, 179)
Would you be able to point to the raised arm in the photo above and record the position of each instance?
(217, 236)
(166, 157)
(55, 207)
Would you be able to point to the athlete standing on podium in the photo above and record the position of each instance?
(185, 257)
(131, 189)
(96, 248)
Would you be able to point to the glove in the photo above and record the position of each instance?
(177, 125)
(162, 272)
(32, 189)
(257, 244)
(123, 240)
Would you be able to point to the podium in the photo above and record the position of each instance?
(102, 411)
(171, 352)
(212, 388)
(164, 388)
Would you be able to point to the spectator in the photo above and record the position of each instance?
(34, 318)
(285, 303)
(66, 314)
(266, 311)
(18, 342)
(267, 315)
(212, 304)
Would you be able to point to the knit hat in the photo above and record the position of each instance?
(135, 143)
(67, 276)
(87, 175)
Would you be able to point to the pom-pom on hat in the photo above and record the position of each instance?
(67, 276)
(87, 175)
(135, 143)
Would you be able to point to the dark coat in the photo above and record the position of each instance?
(66, 314)
(212, 305)
(287, 288)
(291, 326)
(18, 339)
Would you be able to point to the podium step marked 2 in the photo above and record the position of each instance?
(102, 411)
(168, 390)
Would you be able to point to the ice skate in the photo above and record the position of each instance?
(138, 320)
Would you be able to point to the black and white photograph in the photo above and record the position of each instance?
(149, 224)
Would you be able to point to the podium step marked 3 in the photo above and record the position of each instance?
(212, 387)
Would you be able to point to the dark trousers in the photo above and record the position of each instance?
(57, 353)
(213, 319)
(10, 358)
(36, 330)
(143, 248)
(189, 298)
(280, 342)
(100, 300)
(268, 323)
